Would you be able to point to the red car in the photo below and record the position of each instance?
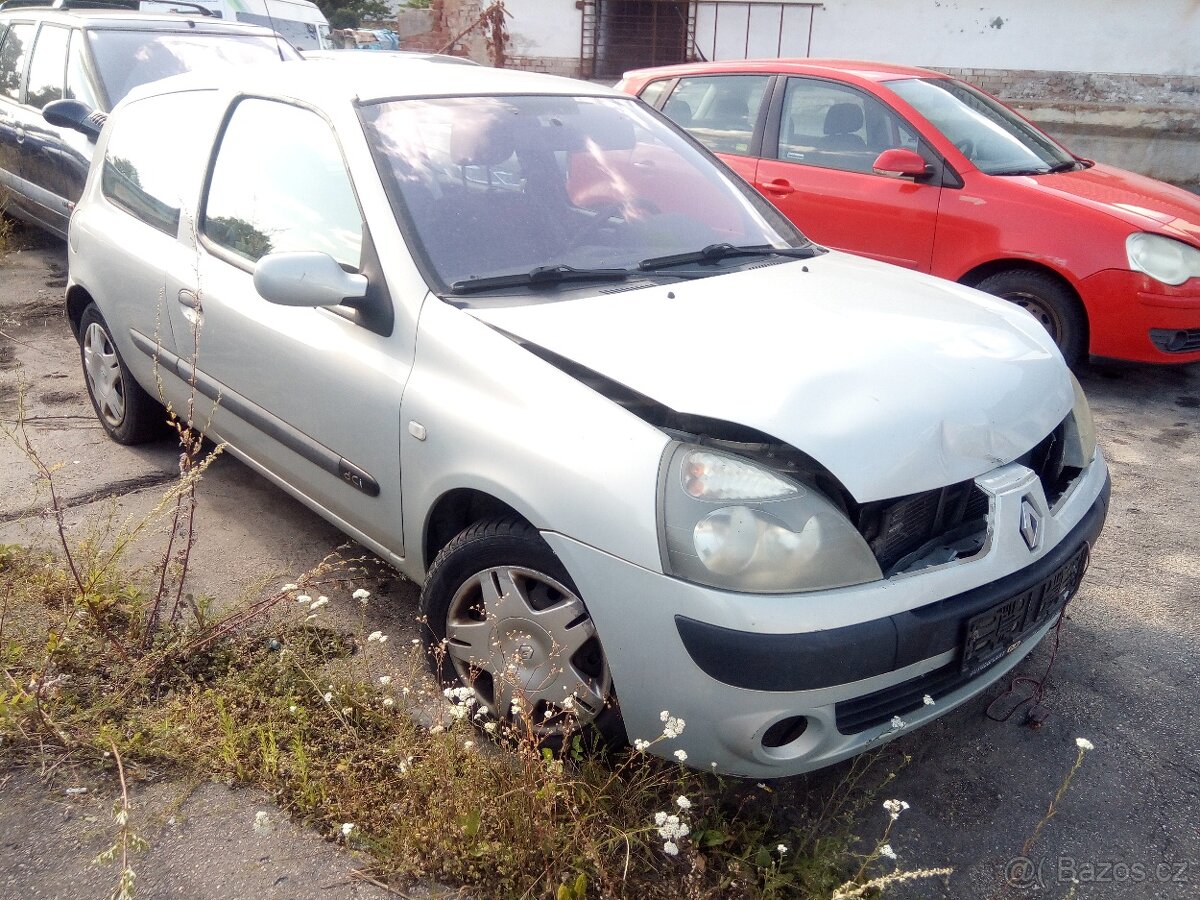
(914, 168)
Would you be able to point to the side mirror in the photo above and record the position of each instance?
(901, 163)
(306, 279)
(76, 115)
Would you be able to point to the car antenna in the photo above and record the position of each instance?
(271, 20)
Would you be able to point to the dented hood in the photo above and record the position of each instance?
(893, 381)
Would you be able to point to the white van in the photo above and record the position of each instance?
(301, 22)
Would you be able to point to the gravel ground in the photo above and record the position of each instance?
(1124, 676)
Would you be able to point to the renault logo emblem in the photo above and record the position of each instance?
(1031, 525)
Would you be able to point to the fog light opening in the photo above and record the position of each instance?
(784, 732)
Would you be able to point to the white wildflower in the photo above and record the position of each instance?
(664, 715)
(437, 729)
(927, 700)
(328, 696)
(375, 637)
(289, 587)
(385, 680)
(361, 594)
(897, 723)
(886, 850)
(660, 819)
(388, 702)
(309, 618)
(292, 709)
(681, 755)
(895, 807)
(781, 849)
(467, 745)
(347, 829)
(673, 727)
(346, 710)
(683, 802)
(318, 603)
(416, 641)
(639, 745)
(1084, 744)
(304, 598)
(489, 727)
(671, 848)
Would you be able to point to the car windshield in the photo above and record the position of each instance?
(994, 139)
(127, 59)
(522, 191)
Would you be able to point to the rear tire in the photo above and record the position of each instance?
(127, 412)
(503, 616)
(1049, 301)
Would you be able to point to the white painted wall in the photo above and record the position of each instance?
(544, 28)
(1117, 36)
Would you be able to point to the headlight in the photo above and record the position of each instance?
(1162, 258)
(730, 523)
(1081, 431)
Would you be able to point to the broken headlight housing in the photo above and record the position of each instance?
(730, 523)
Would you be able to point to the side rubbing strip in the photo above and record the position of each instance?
(248, 411)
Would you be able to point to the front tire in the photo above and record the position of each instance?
(1049, 301)
(503, 616)
(127, 412)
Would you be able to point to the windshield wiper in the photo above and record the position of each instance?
(1069, 166)
(538, 277)
(715, 252)
(1023, 172)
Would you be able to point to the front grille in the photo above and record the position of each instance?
(1048, 460)
(1176, 340)
(870, 710)
(907, 529)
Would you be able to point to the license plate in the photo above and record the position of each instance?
(997, 632)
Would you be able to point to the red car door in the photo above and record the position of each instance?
(821, 142)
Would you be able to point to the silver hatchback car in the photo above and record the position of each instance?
(643, 445)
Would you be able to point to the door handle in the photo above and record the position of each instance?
(781, 187)
(193, 309)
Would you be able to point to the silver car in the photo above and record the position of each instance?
(643, 445)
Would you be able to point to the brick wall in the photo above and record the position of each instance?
(1167, 91)
(551, 65)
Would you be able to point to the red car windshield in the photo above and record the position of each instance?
(994, 139)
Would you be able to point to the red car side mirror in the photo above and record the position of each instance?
(901, 163)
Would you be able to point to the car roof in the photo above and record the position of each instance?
(132, 20)
(830, 68)
(340, 52)
(367, 77)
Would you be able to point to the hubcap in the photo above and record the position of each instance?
(1038, 308)
(104, 375)
(520, 637)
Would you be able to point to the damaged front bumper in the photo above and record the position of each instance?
(776, 685)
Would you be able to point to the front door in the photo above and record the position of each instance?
(309, 394)
(816, 166)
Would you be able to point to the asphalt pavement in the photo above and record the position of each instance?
(1124, 676)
